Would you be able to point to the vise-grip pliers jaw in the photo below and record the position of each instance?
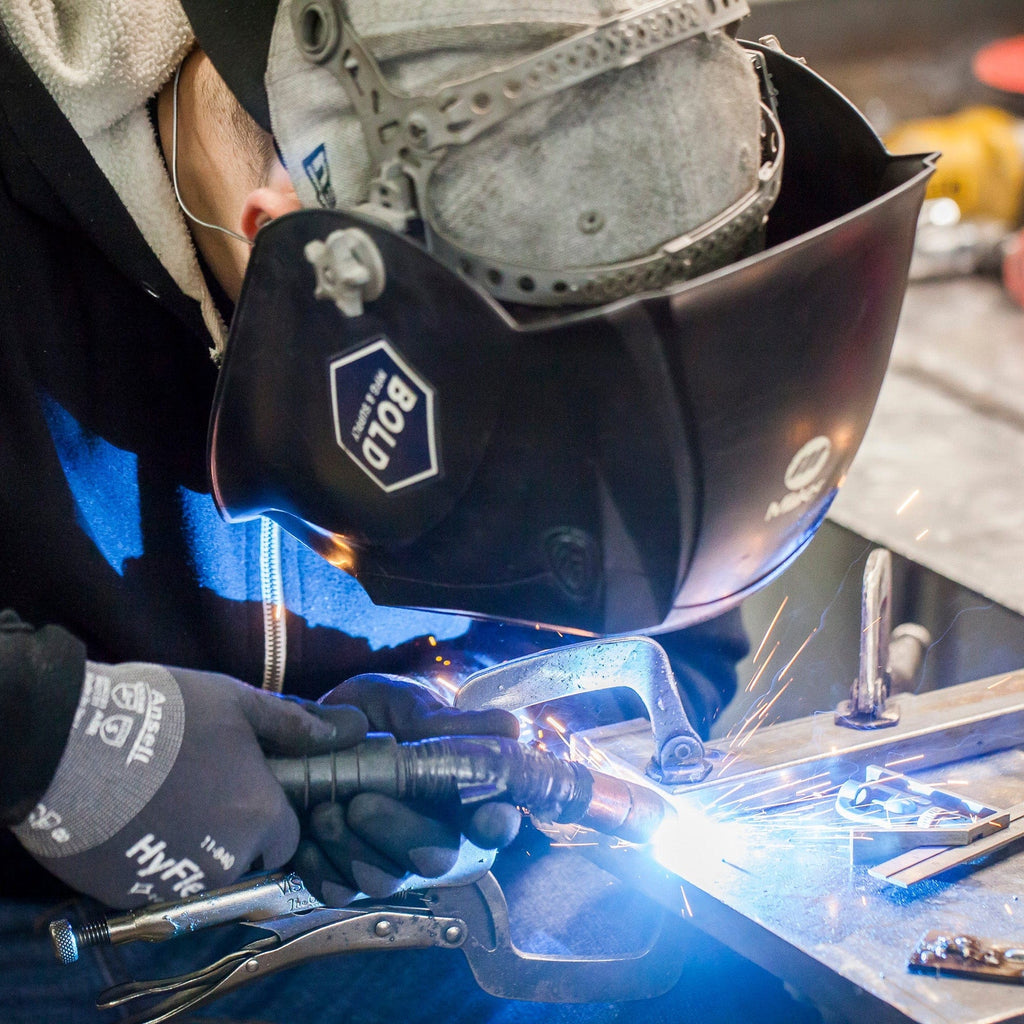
(473, 918)
(636, 662)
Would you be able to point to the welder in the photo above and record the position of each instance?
(506, 434)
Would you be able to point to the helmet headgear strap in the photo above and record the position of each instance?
(408, 136)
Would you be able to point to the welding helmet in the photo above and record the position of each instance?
(627, 430)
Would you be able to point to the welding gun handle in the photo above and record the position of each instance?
(428, 770)
(373, 766)
(442, 770)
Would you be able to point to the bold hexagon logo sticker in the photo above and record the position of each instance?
(384, 416)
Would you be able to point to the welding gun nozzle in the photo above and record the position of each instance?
(624, 809)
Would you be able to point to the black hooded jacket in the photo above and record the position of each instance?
(110, 545)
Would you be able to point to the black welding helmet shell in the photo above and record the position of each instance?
(639, 465)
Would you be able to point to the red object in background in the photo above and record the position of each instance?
(1013, 268)
(1000, 65)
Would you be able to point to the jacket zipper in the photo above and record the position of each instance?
(275, 636)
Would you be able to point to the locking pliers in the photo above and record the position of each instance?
(471, 917)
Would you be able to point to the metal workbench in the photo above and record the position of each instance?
(784, 888)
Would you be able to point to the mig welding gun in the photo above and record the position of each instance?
(471, 770)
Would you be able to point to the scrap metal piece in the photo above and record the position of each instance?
(866, 708)
(967, 956)
(636, 662)
(926, 862)
(889, 658)
(893, 812)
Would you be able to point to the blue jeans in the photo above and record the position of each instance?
(557, 913)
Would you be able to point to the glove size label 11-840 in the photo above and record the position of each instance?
(383, 413)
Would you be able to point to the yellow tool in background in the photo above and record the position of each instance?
(982, 161)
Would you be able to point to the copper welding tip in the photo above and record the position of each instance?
(623, 809)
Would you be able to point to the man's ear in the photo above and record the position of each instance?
(263, 204)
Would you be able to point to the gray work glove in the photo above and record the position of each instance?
(163, 789)
(374, 843)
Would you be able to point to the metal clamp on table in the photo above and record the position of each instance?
(636, 662)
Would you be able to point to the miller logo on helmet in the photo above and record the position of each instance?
(805, 477)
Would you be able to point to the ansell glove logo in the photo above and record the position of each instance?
(124, 740)
(140, 699)
(384, 416)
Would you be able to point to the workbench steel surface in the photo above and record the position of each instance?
(797, 905)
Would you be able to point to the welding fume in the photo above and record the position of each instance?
(374, 372)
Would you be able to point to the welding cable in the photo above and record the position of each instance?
(472, 770)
